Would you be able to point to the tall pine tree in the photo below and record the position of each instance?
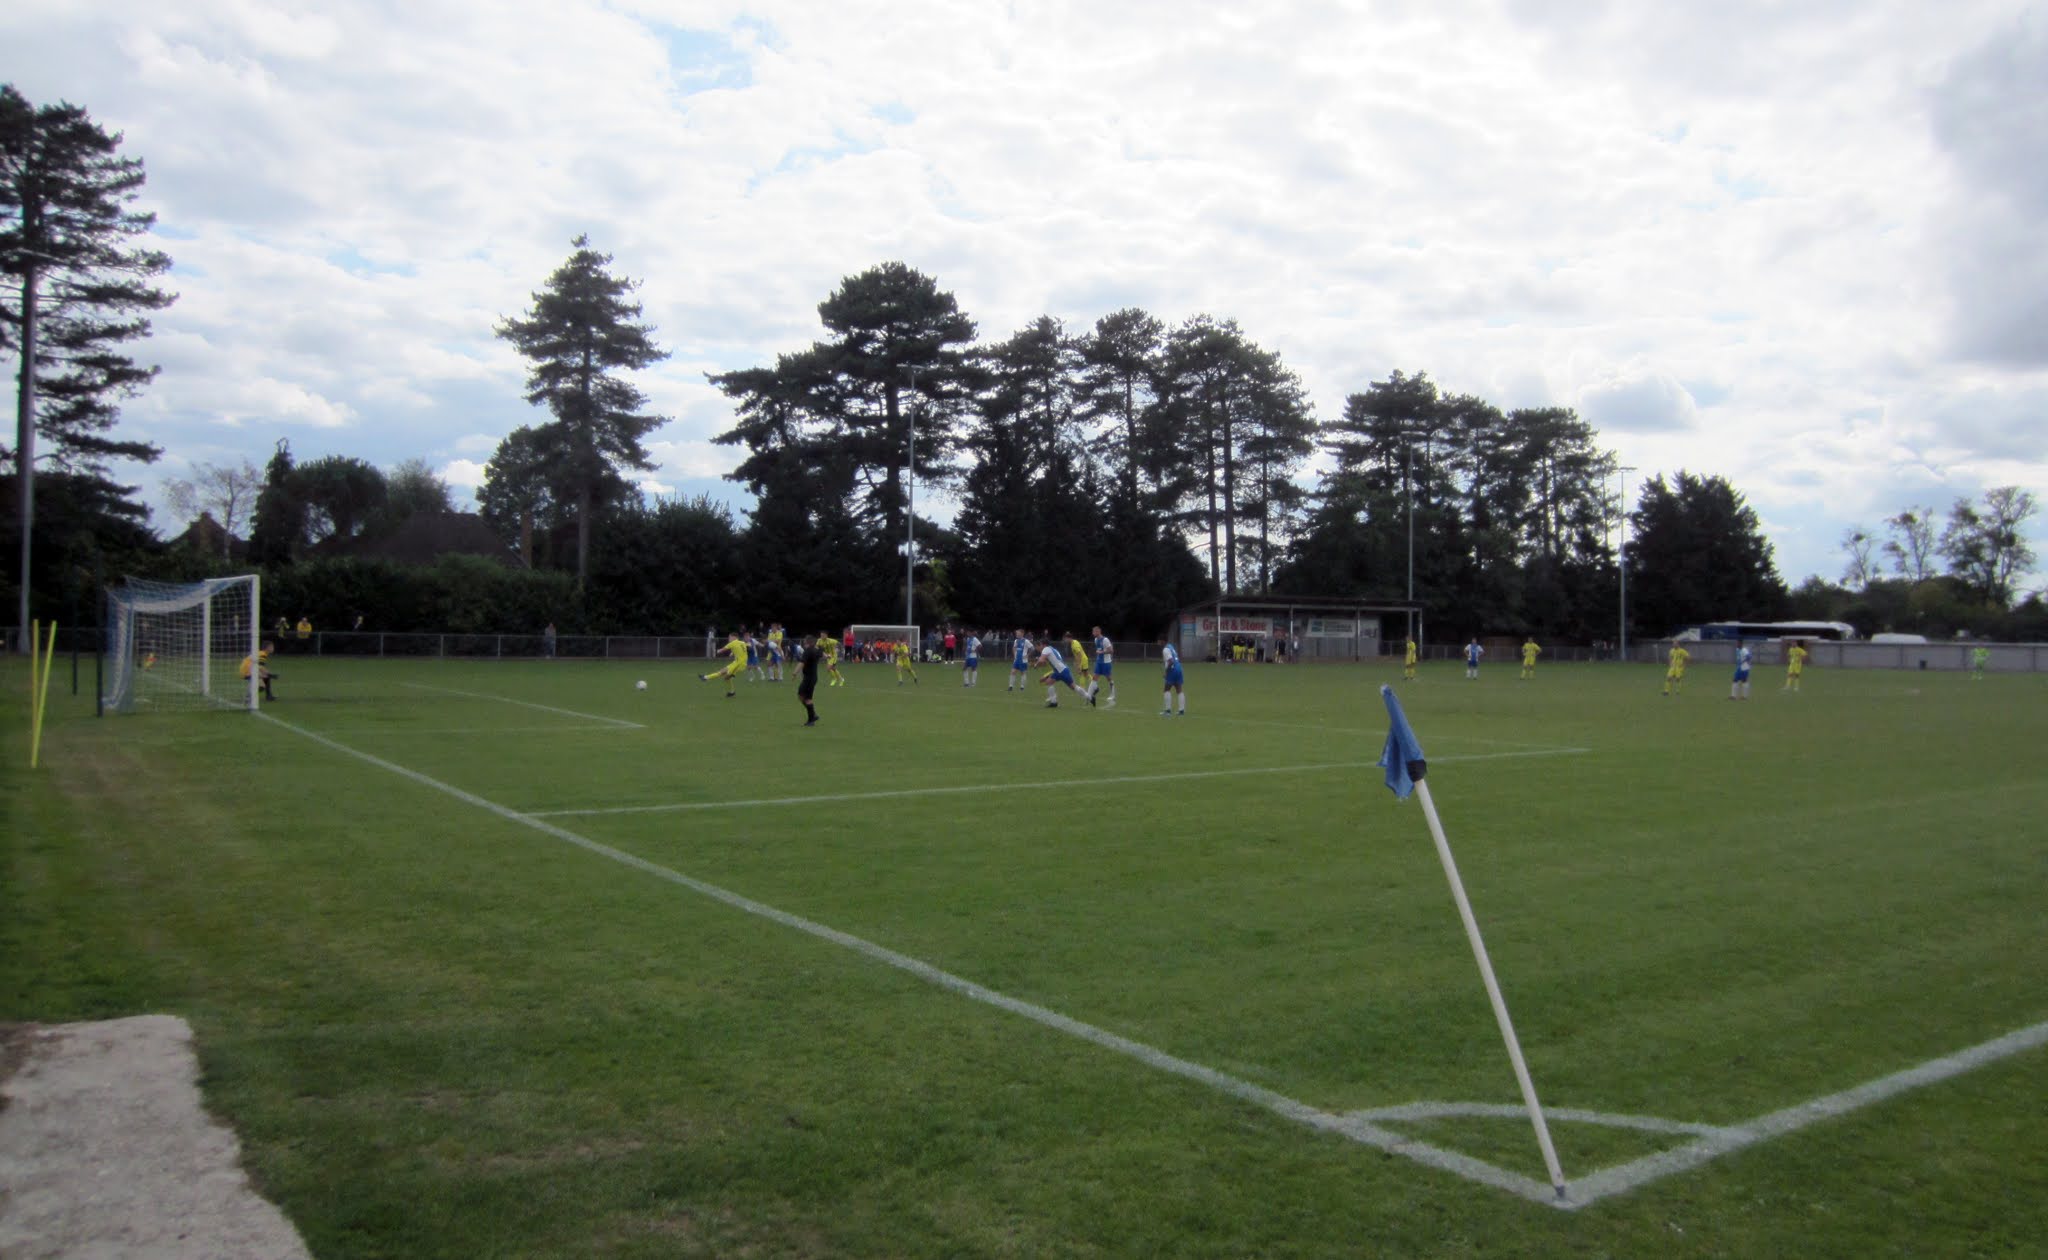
(582, 331)
(77, 291)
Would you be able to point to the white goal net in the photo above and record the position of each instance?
(182, 645)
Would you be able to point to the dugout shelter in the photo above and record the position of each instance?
(1312, 627)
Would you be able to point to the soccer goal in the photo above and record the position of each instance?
(891, 634)
(180, 645)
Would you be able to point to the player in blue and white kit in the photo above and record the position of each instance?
(1020, 661)
(775, 651)
(1056, 672)
(1739, 689)
(1472, 654)
(1176, 682)
(757, 659)
(970, 666)
(1105, 662)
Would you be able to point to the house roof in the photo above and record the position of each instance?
(204, 534)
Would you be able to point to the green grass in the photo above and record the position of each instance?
(441, 1032)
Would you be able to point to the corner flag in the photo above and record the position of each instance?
(1405, 770)
(1402, 756)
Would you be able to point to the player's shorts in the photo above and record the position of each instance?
(1676, 671)
(974, 662)
(1741, 675)
(805, 689)
(735, 669)
(1103, 668)
(1174, 677)
(1063, 675)
(775, 656)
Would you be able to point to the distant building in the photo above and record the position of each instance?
(207, 537)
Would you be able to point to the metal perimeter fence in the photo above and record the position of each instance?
(1948, 655)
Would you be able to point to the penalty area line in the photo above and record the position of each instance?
(528, 704)
(983, 788)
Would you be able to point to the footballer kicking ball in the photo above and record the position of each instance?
(641, 685)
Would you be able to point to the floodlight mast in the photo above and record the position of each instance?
(1621, 557)
(1408, 437)
(25, 443)
(910, 511)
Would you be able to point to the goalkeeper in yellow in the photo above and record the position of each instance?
(258, 665)
(1674, 674)
(828, 651)
(736, 648)
(1408, 661)
(904, 662)
(1530, 651)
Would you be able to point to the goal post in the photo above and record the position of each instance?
(181, 645)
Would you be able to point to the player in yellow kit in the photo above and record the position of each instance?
(260, 665)
(1408, 661)
(903, 663)
(1674, 675)
(737, 650)
(1795, 664)
(828, 650)
(1530, 651)
(1077, 658)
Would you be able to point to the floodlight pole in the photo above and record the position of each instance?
(1621, 557)
(1408, 493)
(25, 439)
(910, 514)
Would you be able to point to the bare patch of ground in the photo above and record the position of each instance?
(107, 1151)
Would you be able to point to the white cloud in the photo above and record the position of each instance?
(465, 473)
(1791, 245)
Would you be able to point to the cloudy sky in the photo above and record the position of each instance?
(1795, 244)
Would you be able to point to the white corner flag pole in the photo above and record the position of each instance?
(1500, 1006)
(1401, 743)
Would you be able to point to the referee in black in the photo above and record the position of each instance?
(807, 682)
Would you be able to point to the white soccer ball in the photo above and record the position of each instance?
(641, 685)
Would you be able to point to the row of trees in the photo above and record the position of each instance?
(1985, 545)
(1112, 474)
(1109, 473)
(1926, 574)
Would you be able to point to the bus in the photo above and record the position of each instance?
(1834, 631)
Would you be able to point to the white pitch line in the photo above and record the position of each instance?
(528, 704)
(973, 788)
(1729, 1138)
(1279, 1104)
(402, 731)
(1358, 1126)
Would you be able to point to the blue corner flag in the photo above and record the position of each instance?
(1403, 754)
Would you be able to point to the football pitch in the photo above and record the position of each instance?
(513, 959)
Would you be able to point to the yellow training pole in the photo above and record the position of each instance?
(41, 694)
